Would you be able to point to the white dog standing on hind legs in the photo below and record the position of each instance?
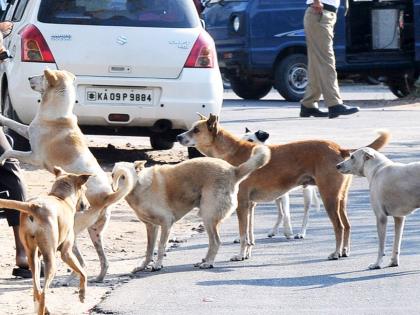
(394, 191)
(56, 140)
(283, 202)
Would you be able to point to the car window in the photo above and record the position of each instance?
(143, 13)
(20, 9)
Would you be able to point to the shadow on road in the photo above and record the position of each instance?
(312, 282)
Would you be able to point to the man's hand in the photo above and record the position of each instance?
(317, 6)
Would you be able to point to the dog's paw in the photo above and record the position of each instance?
(345, 252)
(374, 266)
(334, 256)
(393, 263)
(82, 294)
(272, 233)
(152, 267)
(238, 258)
(138, 269)
(205, 265)
(236, 241)
(299, 236)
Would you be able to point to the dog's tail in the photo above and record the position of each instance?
(124, 190)
(259, 157)
(378, 143)
(22, 206)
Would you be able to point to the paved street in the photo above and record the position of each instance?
(294, 276)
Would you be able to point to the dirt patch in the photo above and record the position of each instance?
(124, 240)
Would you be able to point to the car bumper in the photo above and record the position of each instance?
(177, 100)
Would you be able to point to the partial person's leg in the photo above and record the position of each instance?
(325, 61)
(309, 103)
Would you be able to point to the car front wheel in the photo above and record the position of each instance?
(291, 77)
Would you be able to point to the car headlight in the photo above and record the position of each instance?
(236, 23)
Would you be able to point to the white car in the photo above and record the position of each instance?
(143, 67)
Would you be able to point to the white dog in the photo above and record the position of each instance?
(283, 202)
(56, 140)
(394, 191)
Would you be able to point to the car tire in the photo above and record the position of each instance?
(400, 88)
(291, 77)
(194, 153)
(250, 89)
(159, 142)
(19, 143)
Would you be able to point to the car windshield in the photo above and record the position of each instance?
(140, 13)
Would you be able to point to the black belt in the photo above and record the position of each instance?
(328, 7)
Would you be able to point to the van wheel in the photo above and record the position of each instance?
(400, 88)
(19, 143)
(291, 77)
(159, 142)
(250, 89)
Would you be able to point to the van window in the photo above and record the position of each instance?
(143, 13)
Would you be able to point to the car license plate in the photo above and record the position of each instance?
(123, 96)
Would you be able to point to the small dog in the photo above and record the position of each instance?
(394, 191)
(161, 195)
(291, 165)
(46, 226)
(283, 203)
(56, 139)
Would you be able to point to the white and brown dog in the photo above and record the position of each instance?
(310, 196)
(46, 226)
(161, 195)
(293, 164)
(56, 140)
(394, 191)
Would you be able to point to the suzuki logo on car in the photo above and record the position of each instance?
(122, 40)
(180, 44)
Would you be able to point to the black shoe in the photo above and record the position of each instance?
(308, 112)
(22, 272)
(341, 109)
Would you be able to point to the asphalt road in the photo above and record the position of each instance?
(294, 276)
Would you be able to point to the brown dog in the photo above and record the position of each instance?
(46, 225)
(293, 164)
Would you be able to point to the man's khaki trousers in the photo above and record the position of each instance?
(322, 76)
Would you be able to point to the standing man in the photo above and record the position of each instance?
(12, 187)
(319, 22)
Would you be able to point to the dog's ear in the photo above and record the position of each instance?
(139, 165)
(51, 77)
(368, 156)
(58, 171)
(82, 179)
(202, 117)
(262, 135)
(213, 124)
(247, 130)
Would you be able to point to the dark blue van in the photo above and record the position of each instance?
(261, 44)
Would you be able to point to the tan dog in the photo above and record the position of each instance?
(293, 164)
(56, 139)
(162, 195)
(46, 226)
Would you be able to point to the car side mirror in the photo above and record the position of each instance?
(6, 28)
